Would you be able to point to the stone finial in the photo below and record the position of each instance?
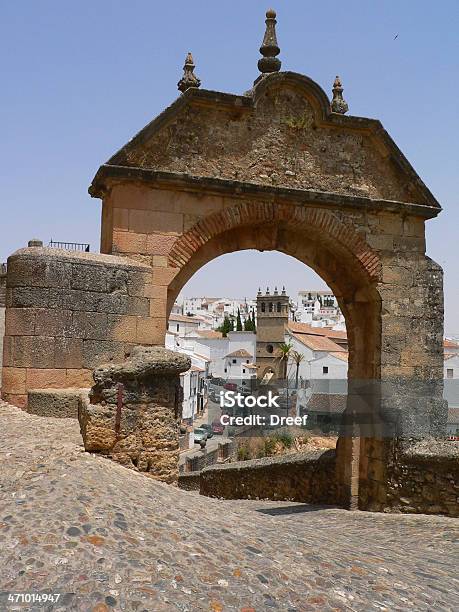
(338, 104)
(189, 79)
(259, 291)
(269, 47)
(267, 290)
(275, 291)
(35, 242)
(283, 290)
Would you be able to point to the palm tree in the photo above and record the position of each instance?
(284, 354)
(297, 358)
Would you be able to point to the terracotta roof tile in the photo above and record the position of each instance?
(305, 328)
(318, 343)
(209, 333)
(239, 353)
(327, 402)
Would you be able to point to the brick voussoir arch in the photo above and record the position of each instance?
(250, 213)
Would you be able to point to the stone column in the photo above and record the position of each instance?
(142, 431)
(410, 406)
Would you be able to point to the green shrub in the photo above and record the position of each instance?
(269, 446)
(285, 438)
(243, 453)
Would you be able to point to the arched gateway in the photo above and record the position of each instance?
(281, 168)
(277, 169)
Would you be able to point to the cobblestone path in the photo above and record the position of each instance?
(107, 538)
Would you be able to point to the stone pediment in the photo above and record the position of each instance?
(280, 134)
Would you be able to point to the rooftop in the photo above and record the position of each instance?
(209, 334)
(239, 353)
(327, 402)
(306, 328)
(184, 318)
(318, 343)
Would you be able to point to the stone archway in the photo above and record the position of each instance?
(276, 169)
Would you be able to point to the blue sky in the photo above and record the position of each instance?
(80, 78)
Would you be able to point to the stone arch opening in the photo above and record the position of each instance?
(336, 253)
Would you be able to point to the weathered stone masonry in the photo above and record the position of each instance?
(142, 431)
(66, 314)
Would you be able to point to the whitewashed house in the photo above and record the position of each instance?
(182, 324)
(238, 367)
(322, 357)
(451, 366)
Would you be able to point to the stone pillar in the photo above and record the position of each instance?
(410, 406)
(143, 433)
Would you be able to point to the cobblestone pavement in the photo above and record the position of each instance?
(108, 538)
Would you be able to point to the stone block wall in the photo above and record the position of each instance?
(308, 477)
(189, 481)
(68, 312)
(420, 477)
(414, 477)
(59, 403)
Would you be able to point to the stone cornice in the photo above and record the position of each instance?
(247, 103)
(108, 175)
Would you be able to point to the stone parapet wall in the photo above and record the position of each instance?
(415, 477)
(68, 312)
(409, 477)
(189, 481)
(225, 452)
(60, 403)
(308, 477)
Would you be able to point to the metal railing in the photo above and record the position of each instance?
(70, 246)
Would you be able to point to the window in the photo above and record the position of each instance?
(278, 306)
(325, 370)
(263, 307)
(226, 370)
(270, 306)
(243, 370)
(449, 373)
(247, 361)
(178, 326)
(234, 360)
(270, 348)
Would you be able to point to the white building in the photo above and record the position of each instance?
(318, 307)
(217, 349)
(194, 380)
(193, 386)
(182, 325)
(451, 366)
(238, 366)
(451, 391)
(323, 358)
(215, 309)
(197, 305)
